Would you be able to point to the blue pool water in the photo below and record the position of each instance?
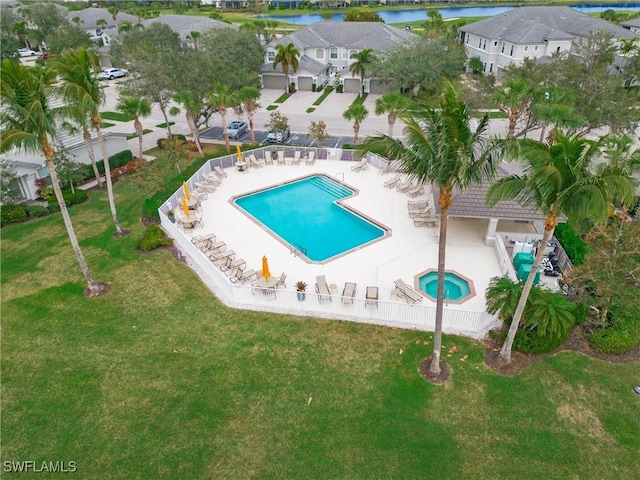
(455, 288)
(304, 213)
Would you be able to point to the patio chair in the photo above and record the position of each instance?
(281, 157)
(202, 241)
(417, 204)
(281, 280)
(393, 181)
(255, 162)
(362, 165)
(311, 159)
(211, 179)
(406, 292)
(296, 158)
(206, 187)
(425, 212)
(216, 248)
(322, 289)
(221, 259)
(425, 220)
(243, 276)
(348, 292)
(415, 191)
(233, 265)
(371, 297)
(268, 157)
(219, 171)
(406, 185)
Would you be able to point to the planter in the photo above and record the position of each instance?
(301, 296)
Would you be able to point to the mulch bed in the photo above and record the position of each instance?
(576, 342)
(445, 371)
(102, 288)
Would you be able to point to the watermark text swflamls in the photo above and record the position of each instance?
(38, 467)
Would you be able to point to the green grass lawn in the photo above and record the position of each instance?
(117, 116)
(158, 379)
(134, 134)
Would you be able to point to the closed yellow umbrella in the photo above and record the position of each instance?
(239, 153)
(185, 189)
(185, 207)
(265, 268)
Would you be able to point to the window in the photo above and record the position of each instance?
(319, 53)
(333, 53)
(495, 44)
(535, 48)
(557, 49)
(491, 67)
(484, 44)
(502, 49)
(271, 55)
(526, 48)
(511, 51)
(345, 54)
(479, 43)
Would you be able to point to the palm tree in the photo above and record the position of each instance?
(513, 99)
(78, 72)
(620, 153)
(392, 103)
(476, 65)
(555, 105)
(222, 98)
(194, 37)
(626, 47)
(248, 97)
(101, 23)
(80, 121)
(356, 112)
(135, 107)
(287, 56)
(28, 123)
(192, 107)
(441, 149)
(125, 26)
(362, 61)
(77, 20)
(114, 14)
(558, 180)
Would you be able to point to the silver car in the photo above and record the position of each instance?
(237, 129)
(111, 73)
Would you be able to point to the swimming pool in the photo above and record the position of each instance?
(306, 214)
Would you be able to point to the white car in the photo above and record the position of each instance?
(279, 137)
(111, 73)
(25, 52)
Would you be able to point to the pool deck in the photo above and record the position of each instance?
(408, 251)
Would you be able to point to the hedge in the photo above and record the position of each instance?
(573, 245)
(617, 339)
(153, 238)
(70, 198)
(12, 214)
(115, 161)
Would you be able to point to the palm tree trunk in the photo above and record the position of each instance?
(356, 130)
(223, 116)
(194, 132)
(445, 202)
(543, 131)
(391, 119)
(91, 284)
(138, 126)
(107, 173)
(513, 119)
(505, 351)
(250, 114)
(88, 143)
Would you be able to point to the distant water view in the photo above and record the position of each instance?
(420, 14)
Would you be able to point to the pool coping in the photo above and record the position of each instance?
(356, 191)
(466, 298)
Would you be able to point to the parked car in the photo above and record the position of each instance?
(237, 128)
(279, 137)
(111, 73)
(26, 52)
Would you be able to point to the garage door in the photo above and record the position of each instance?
(352, 85)
(304, 83)
(274, 81)
(377, 86)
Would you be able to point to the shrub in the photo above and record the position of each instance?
(575, 247)
(272, 107)
(292, 87)
(129, 168)
(617, 339)
(12, 214)
(340, 88)
(153, 238)
(313, 87)
(70, 198)
(162, 143)
(580, 312)
(35, 211)
(529, 342)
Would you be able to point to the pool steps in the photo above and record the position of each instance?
(329, 186)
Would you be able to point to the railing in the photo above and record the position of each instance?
(295, 249)
(563, 258)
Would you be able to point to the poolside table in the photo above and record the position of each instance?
(267, 282)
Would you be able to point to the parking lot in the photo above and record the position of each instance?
(216, 134)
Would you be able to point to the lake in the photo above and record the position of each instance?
(420, 14)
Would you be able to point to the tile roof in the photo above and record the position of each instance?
(538, 24)
(634, 22)
(305, 63)
(357, 35)
(91, 15)
(185, 24)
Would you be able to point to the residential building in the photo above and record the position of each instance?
(530, 32)
(325, 54)
(632, 25)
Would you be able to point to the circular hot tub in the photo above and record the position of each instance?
(457, 287)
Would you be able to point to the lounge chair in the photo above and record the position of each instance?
(281, 157)
(311, 159)
(415, 191)
(221, 259)
(203, 241)
(219, 171)
(255, 162)
(206, 187)
(406, 292)
(322, 289)
(417, 204)
(362, 165)
(405, 185)
(215, 248)
(393, 181)
(233, 265)
(371, 297)
(211, 179)
(281, 280)
(242, 276)
(296, 158)
(425, 221)
(348, 292)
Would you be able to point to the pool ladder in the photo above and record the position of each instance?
(295, 249)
